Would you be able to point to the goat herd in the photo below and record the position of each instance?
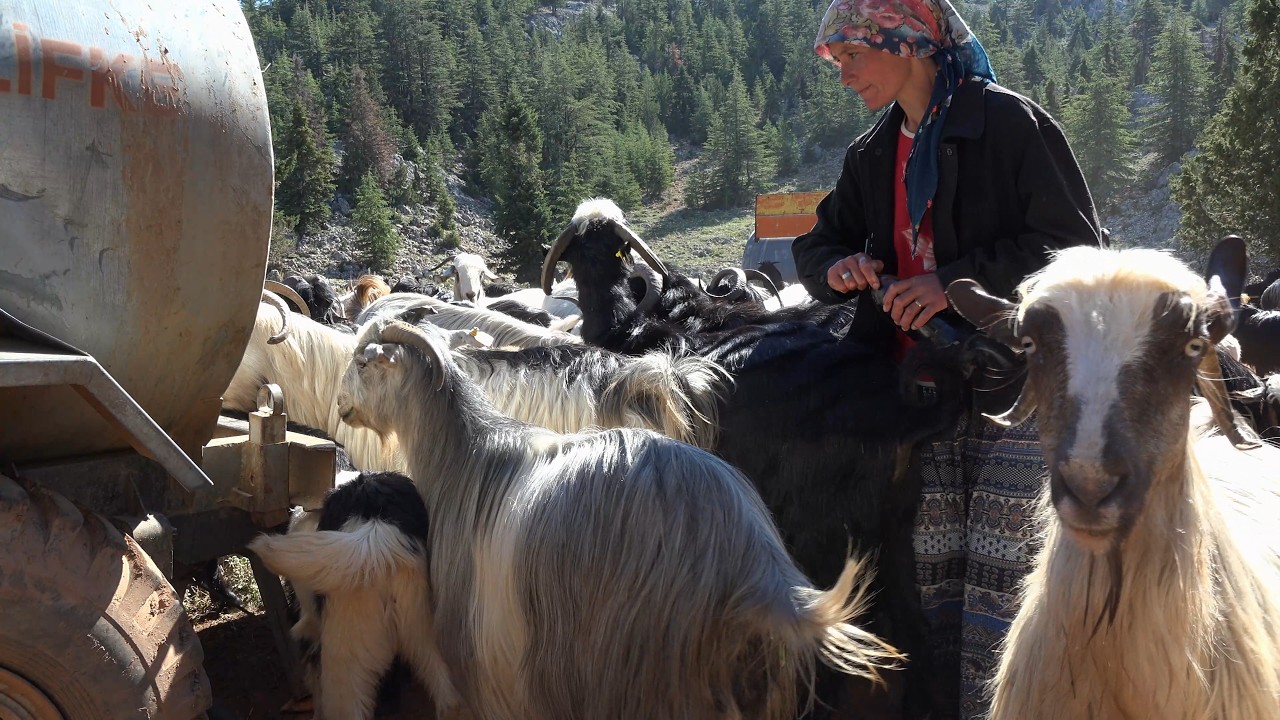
(646, 500)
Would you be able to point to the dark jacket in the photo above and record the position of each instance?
(1009, 192)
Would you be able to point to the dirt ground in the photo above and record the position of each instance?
(243, 666)
(248, 683)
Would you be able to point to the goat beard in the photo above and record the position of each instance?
(1111, 605)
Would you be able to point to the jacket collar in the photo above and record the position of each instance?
(966, 118)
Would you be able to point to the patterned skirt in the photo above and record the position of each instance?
(972, 548)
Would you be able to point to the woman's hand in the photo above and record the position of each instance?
(856, 272)
(911, 302)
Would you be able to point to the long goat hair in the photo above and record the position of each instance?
(1156, 588)
(615, 574)
(506, 330)
(820, 424)
(359, 567)
(565, 388)
(308, 367)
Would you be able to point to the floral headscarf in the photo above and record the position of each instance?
(913, 28)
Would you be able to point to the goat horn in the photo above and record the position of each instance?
(1022, 409)
(639, 246)
(736, 280)
(652, 287)
(768, 283)
(289, 294)
(402, 333)
(553, 256)
(437, 266)
(276, 302)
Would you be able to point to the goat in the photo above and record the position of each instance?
(359, 567)
(308, 367)
(666, 296)
(467, 271)
(506, 330)
(364, 291)
(522, 312)
(567, 388)
(1157, 583)
(1257, 329)
(820, 425)
(616, 574)
(562, 302)
(318, 294)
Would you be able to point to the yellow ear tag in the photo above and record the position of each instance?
(618, 254)
(475, 332)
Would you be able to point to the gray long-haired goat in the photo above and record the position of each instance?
(616, 574)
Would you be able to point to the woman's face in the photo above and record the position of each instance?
(877, 76)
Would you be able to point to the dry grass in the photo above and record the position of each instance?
(237, 576)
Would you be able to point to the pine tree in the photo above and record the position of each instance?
(1179, 84)
(306, 172)
(787, 148)
(371, 220)
(1032, 68)
(1148, 21)
(1097, 122)
(510, 166)
(367, 142)
(1231, 184)
(735, 160)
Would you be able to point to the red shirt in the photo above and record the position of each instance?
(922, 261)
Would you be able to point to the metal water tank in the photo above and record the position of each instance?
(135, 207)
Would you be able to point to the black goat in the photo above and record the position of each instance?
(1258, 331)
(319, 296)
(821, 426)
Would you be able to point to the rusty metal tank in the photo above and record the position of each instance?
(135, 207)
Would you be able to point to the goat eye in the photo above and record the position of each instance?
(1195, 347)
(1028, 345)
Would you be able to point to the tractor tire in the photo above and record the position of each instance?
(89, 627)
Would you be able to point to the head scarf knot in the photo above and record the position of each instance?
(913, 28)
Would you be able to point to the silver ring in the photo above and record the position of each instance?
(846, 275)
(917, 304)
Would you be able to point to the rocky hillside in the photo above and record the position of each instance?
(697, 242)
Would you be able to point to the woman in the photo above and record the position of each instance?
(959, 178)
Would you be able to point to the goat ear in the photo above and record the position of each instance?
(449, 272)
(1220, 316)
(379, 354)
(1229, 263)
(992, 315)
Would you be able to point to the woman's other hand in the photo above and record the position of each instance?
(911, 302)
(856, 272)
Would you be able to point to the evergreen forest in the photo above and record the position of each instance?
(538, 106)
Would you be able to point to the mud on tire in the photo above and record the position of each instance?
(88, 619)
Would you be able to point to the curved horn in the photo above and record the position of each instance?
(553, 256)
(402, 333)
(289, 294)
(752, 274)
(652, 287)
(734, 278)
(274, 301)
(639, 246)
(438, 265)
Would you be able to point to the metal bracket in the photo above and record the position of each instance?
(32, 358)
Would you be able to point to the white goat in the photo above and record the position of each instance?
(617, 574)
(1156, 591)
(468, 271)
(506, 330)
(308, 367)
